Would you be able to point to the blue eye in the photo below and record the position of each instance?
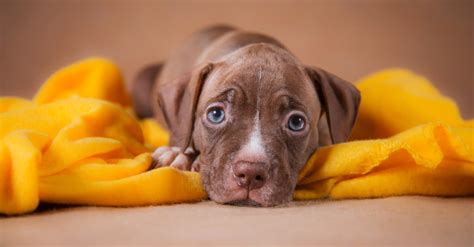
(296, 122)
(216, 115)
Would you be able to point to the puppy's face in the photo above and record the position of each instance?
(256, 121)
(256, 124)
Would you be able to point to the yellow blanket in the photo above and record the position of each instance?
(78, 142)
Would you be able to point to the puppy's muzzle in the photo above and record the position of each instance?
(249, 175)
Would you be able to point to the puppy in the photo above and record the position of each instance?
(244, 112)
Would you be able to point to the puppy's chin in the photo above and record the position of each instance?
(245, 202)
(254, 202)
(241, 197)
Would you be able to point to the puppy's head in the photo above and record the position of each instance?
(254, 118)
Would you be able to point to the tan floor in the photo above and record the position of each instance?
(407, 221)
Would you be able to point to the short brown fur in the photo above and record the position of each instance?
(251, 76)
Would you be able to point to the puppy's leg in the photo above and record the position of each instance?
(174, 157)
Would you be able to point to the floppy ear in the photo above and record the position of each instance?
(339, 100)
(142, 87)
(177, 103)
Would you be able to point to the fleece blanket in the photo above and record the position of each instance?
(79, 142)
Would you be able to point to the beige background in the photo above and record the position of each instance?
(348, 38)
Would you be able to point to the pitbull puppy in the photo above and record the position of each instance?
(244, 112)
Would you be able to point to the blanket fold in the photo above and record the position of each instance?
(79, 142)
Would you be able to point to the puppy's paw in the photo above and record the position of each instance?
(196, 166)
(172, 156)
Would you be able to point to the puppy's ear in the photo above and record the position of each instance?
(141, 90)
(177, 103)
(339, 100)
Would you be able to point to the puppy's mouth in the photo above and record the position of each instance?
(239, 197)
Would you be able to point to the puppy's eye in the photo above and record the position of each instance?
(296, 122)
(216, 115)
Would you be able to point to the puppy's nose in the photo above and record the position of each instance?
(250, 176)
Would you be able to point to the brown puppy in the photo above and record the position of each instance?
(244, 112)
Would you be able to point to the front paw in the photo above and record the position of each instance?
(173, 157)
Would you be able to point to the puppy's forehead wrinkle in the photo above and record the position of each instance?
(263, 51)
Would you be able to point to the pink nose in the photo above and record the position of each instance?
(250, 176)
